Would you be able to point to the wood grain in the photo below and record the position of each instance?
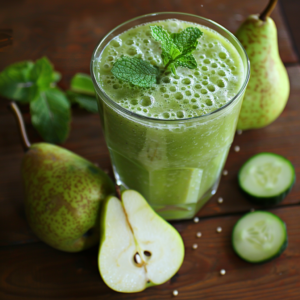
(36, 271)
(67, 32)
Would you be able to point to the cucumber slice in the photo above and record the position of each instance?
(259, 236)
(266, 178)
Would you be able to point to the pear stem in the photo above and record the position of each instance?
(15, 109)
(118, 192)
(268, 10)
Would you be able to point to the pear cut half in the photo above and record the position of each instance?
(138, 248)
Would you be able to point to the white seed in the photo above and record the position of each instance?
(225, 172)
(196, 220)
(198, 234)
(220, 200)
(175, 293)
(137, 258)
(195, 246)
(237, 148)
(239, 131)
(222, 272)
(219, 229)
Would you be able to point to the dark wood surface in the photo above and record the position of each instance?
(67, 32)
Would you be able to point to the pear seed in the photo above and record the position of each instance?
(196, 220)
(222, 272)
(220, 200)
(225, 172)
(175, 293)
(147, 253)
(198, 234)
(219, 229)
(195, 246)
(137, 259)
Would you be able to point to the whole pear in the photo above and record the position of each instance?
(268, 89)
(63, 194)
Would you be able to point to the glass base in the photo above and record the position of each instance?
(182, 211)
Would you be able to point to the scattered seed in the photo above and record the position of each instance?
(222, 272)
(195, 246)
(238, 17)
(237, 148)
(225, 172)
(220, 200)
(175, 293)
(219, 229)
(198, 234)
(196, 220)
(239, 131)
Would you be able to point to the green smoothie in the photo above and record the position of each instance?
(170, 141)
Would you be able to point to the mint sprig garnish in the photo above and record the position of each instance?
(177, 51)
(135, 70)
(35, 83)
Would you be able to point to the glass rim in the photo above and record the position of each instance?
(156, 120)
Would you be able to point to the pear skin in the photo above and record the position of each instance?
(268, 89)
(63, 195)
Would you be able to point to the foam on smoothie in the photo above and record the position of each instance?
(191, 93)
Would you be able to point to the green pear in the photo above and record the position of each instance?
(138, 248)
(63, 194)
(268, 89)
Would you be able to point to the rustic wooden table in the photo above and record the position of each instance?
(67, 32)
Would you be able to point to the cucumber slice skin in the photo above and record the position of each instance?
(277, 254)
(267, 201)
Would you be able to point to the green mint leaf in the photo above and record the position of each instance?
(187, 40)
(42, 73)
(177, 48)
(169, 48)
(166, 57)
(86, 102)
(56, 76)
(50, 115)
(15, 82)
(135, 71)
(82, 83)
(187, 61)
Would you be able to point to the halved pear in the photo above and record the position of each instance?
(138, 248)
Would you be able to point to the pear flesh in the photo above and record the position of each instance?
(268, 88)
(138, 248)
(63, 195)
